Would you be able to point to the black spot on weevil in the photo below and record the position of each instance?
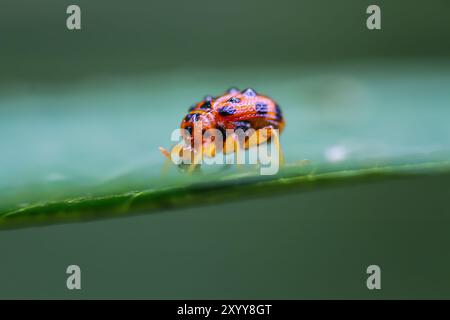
(278, 112)
(192, 117)
(234, 100)
(192, 108)
(189, 129)
(249, 92)
(206, 105)
(226, 111)
(261, 108)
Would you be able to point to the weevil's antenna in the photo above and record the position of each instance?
(166, 165)
(165, 153)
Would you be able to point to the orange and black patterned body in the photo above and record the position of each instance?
(235, 109)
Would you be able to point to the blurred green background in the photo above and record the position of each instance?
(142, 36)
(318, 246)
(83, 112)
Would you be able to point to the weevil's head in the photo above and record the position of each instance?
(199, 119)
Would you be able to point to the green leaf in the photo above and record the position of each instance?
(89, 151)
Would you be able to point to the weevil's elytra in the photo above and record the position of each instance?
(226, 111)
(235, 110)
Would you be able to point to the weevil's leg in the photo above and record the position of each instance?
(263, 135)
(276, 140)
(251, 141)
(209, 149)
(166, 167)
(301, 163)
(167, 161)
(226, 167)
(238, 152)
(258, 137)
(195, 162)
(165, 153)
(178, 149)
(232, 145)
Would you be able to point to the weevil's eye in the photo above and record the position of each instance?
(249, 92)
